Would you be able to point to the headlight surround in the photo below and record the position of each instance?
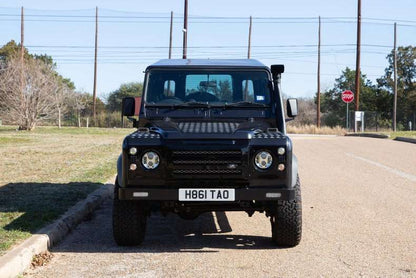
(150, 160)
(263, 160)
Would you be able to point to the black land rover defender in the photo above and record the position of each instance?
(211, 136)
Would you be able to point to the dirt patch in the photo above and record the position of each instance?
(41, 259)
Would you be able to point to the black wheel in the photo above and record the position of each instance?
(129, 220)
(286, 221)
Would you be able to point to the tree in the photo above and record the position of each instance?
(78, 102)
(307, 112)
(10, 50)
(371, 99)
(27, 92)
(34, 66)
(61, 97)
(224, 91)
(133, 89)
(406, 83)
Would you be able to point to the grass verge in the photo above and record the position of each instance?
(48, 170)
(393, 135)
(313, 129)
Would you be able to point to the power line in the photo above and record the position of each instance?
(199, 17)
(207, 46)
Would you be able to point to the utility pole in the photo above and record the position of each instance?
(318, 98)
(249, 38)
(357, 64)
(169, 93)
(248, 55)
(170, 35)
(95, 67)
(22, 50)
(395, 79)
(22, 37)
(185, 30)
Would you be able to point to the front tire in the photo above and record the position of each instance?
(286, 221)
(129, 220)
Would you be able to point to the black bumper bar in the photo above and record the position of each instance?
(241, 194)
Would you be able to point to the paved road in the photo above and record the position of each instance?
(359, 219)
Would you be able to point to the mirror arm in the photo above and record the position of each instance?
(134, 121)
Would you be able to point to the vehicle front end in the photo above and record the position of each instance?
(210, 137)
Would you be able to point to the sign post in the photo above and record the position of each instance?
(347, 96)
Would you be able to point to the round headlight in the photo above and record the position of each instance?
(281, 151)
(133, 151)
(263, 160)
(150, 160)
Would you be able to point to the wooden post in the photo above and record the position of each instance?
(395, 80)
(358, 59)
(170, 35)
(318, 98)
(22, 50)
(95, 67)
(249, 38)
(185, 30)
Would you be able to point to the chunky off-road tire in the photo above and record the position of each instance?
(129, 221)
(286, 221)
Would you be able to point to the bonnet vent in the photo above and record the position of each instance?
(208, 127)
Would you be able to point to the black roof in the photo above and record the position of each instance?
(208, 63)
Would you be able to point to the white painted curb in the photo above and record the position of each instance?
(18, 259)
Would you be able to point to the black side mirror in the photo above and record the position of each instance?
(128, 106)
(292, 107)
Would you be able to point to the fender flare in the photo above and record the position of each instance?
(120, 170)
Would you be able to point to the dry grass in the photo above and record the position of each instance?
(312, 129)
(59, 155)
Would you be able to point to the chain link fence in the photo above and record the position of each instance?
(380, 121)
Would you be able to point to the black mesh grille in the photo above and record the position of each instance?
(236, 153)
(207, 127)
(206, 172)
(215, 162)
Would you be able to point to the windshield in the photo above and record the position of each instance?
(213, 87)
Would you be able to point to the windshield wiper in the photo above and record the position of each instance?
(245, 104)
(189, 104)
(196, 103)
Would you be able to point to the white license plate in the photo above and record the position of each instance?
(206, 194)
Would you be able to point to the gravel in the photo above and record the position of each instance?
(358, 220)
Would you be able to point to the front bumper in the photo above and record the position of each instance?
(241, 194)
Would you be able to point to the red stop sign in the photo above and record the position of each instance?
(347, 96)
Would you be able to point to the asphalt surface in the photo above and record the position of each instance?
(359, 219)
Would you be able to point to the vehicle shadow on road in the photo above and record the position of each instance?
(210, 232)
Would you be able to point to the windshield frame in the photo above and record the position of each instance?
(210, 71)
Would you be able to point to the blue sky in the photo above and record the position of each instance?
(133, 34)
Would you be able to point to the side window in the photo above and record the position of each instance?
(169, 88)
(248, 90)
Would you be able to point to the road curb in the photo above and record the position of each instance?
(310, 135)
(371, 135)
(18, 259)
(406, 139)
